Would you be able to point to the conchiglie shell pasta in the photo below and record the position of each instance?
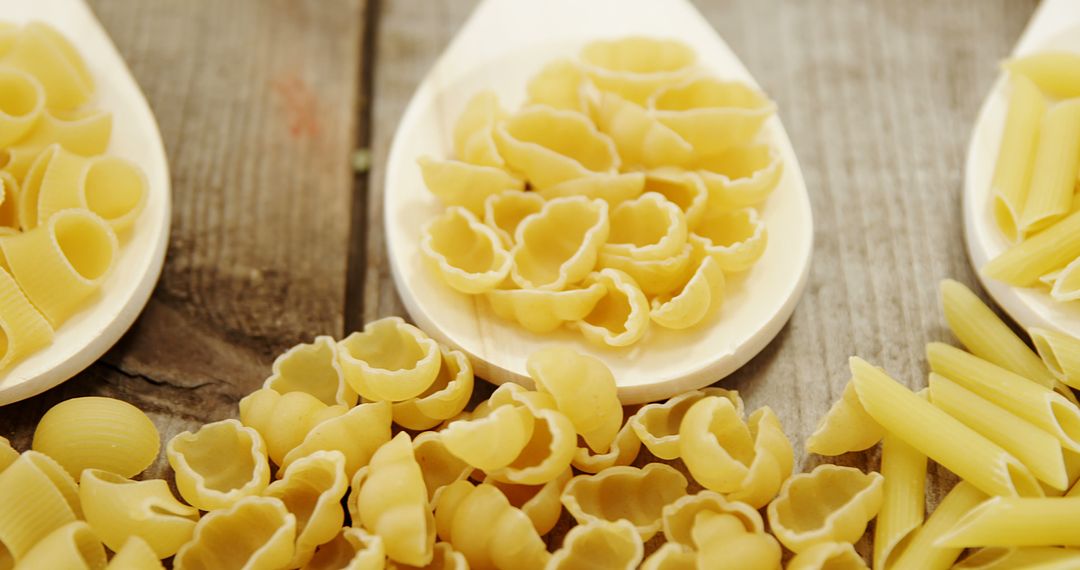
(621, 316)
(611, 188)
(551, 145)
(135, 554)
(506, 539)
(108, 186)
(493, 441)
(539, 502)
(735, 239)
(98, 433)
(829, 504)
(62, 263)
(312, 368)
(284, 420)
(311, 489)
(657, 424)
(741, 176)
(119, 509)
(684, 188)
(712, 115)
(545, 311)
(560, 84)
(468, 255)
(671, 556)
(473, 142)
(828, 555)
(689, 305)
(390, 360)
(43, 52)
(70, 546)
(357, 434)
(654, 276)
(846, 427)
(22, 101)
(444, 558)
(23, 328)
(467, 185)
(445, 398)
(637, 495)
(648, 227)
(599, 544)
(680, 516)
(583, 389)
(718, 535)
(503, 212)
(547, 453)
(438, 466)
(37, 497)
(558, 245)
(636, 67)
(642, 141)
(208, 483)
(351, 549)
(256, 532)
(392, 502)
(623, 451)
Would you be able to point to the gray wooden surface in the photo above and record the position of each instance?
(261, 104)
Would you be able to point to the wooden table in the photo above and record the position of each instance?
(262, 103)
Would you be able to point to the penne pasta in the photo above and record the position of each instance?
(1057, 157)
(922, 552)
(903, 499)
(1060, 352)
(1023, 264)
(1013, 521)
(1016, 155)
(1065, 285)
(1054, 72)
(1030, 558)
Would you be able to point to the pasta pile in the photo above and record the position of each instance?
(63, 203)
(1036, 174)
(618, 196)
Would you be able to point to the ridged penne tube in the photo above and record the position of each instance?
(684, 188)
(457, 183)
(903, 504)
(1057, 157)
(1054, 72)
(647, 227)
(351, 549)
(654, 276)
(1042, 557)
(558, 245)
(621, 316)
(583, 389)
(680, 516)
(599, 544)
(1016, 155)
(611, 188)
(686, 307)
(30, 182)
(473, 142)
(671, 556)
(108, 186)
(506, 540)
(256, 532)
(642, 141)
(539, 502)
(712, 115)
(284, 420)
(635, 67)
(718, 535)
(829, 555)
(8, 455)
(1024, 263)
(740, 176)
(9, 206)
(22, 100)
(62, 263)
(98, 433)
(985, 335)
(468, 255)
(829, 504)
(940, 436)
(657, 424)
(921, 551)
(1037, 449)
(1065, 285)
(1041, 406)
(36, 497)
(135, 554)
(312, 489)
(846, 427)
(551, 146)
(312, 368)
(735, 239)
(357, 434)
(438, 466)
(559, 84)
(44, 53)
(493, 441)
(747, 461)
(24, 329)
(392, 502)
(545, 311)
(70, 546)
(118, 509)
(1060, 352)
(389, 360)
(637, 495)
(623, 451)
(445, 398)
(1014, 521)
(504, 211)
(206, 482)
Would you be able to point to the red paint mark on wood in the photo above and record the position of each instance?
(301, 105)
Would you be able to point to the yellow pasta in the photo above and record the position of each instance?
(467, 185)
(671, 556)
(1032, 557)
(118, 509)
(1065, 285)
(491, 442)
(389, 360)
(1024, 263)
(657, 424)
(583, 389)
(545, 311)
(44, 53)
(621, 316)
(444, 558)
(611, 188)
(351, 549)
(539, 502)
(903, 491)
(311, 489)
(740, 176)
(735, 239)
(686, 307)
(392, 502)
(98, 433)
(558, 245)
(1057, 157)
(8, 455)
(829, 504)
(551, 146)
(846, 427)
(206, 482)
(24, 330)
(445, 398)
(642, 141)
(284, 420)
(748, 461)
(635, 67)
(70, 546)
(438, 466)
(1060, 352)
(712, 115)
(829, 555)
(1054, 72)
(718, 535)
(655, 276)
(9, 206)
(135, 554)
(256, 532)
(599, 544)
(549, 449)
(504, 211)
(637, 495)
(559, 84)
(473, 142)
(623, 451)
(506, 539)
(312, 368)
(468, 255)
(62, 263)
(647, 227)
(922, 551)
(685, 189)
(84, 132)
(1016, 155)
(22, 101)
(37, 497)
(1014, 521)
(357, 434)
(111, 187)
